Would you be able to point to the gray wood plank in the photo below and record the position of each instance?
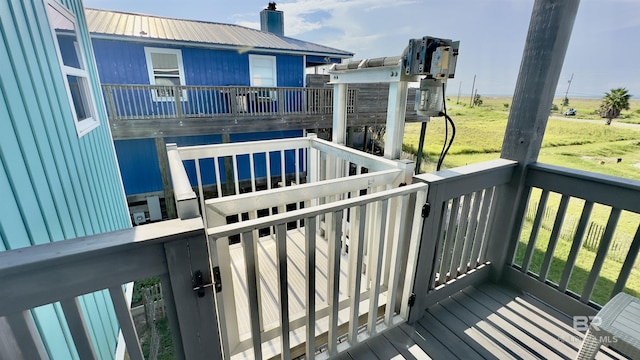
(473, 337)
(383, 348)
(405, 337)
(362, 351)
(512, 348)
(506, 321)
(559, 338)
(500, 325)
(433, 322)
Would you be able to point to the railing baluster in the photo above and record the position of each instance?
(268, 157)
(357, 240)
(376, 254)
(486, 235)
(127, 326)
(250, 260)
(482, 226)
(629, 261)
(601, 255)
(334, 279)
(200, 192)
(456, 258)
(399, 235)
(449, 240)
(78, 328)
(283, 171)
(21, 328)
(216, 165)
(252, 172)
(236, 170)
(578, 239)
(283, 290)
(310, 290)
(553, 241)
(537, 224)
(470, 236)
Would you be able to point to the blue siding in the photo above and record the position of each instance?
(54, 185)
(122, 62)
(141, 170)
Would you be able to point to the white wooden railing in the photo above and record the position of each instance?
(131, 102)
(576, 198)
(325, 193)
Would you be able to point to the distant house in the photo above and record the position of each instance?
(135, 49)
(59, 176)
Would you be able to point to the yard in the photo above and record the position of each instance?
(581, 144)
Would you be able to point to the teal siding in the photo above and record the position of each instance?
(54, 185)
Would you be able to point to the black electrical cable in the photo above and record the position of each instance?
(448, 120)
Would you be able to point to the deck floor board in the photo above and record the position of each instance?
(487, 321)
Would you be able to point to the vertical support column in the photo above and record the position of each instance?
(163, 161)
(545, 48)
(339, 132)
(396, 109)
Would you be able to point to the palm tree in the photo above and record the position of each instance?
(613, 103)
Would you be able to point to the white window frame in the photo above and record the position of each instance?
(152, 76)
(272, 95)
(83, 126)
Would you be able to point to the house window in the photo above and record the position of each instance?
(73, 66)
(165, 70)
(262, 70)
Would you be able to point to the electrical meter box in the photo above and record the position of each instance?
(436, 58)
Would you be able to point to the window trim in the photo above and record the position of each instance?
(152, 78)
(275, 68)
(83, 126)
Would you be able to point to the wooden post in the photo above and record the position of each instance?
(544, 51)
(396, 109)
(163, 161)
(196, 314)
(339, 113)
(228, 188)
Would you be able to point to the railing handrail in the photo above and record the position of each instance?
(236, 204)
(240, 148)
(611, 190)
(370, 161)
(87, 264)
(290, 216)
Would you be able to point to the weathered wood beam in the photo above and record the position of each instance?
(545, 48)
(163, 161)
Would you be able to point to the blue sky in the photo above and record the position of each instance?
(604, 51)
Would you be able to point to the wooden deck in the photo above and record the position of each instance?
(483, 322)
(267, 260)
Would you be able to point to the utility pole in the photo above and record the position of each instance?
(472, 87)
(566, 93)
(459, 89)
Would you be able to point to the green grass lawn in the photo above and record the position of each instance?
(590, 146)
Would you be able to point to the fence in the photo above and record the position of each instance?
(619, 244)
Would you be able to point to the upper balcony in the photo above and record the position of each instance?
(140, 111)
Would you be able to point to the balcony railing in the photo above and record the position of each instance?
(556, 257)
(135, 102)
(336, 251)
(320, 204)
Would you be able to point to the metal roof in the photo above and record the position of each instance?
(155, 28)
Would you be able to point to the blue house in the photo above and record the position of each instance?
(59, 175)
(162, 72)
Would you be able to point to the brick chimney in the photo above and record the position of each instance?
(272, 20)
